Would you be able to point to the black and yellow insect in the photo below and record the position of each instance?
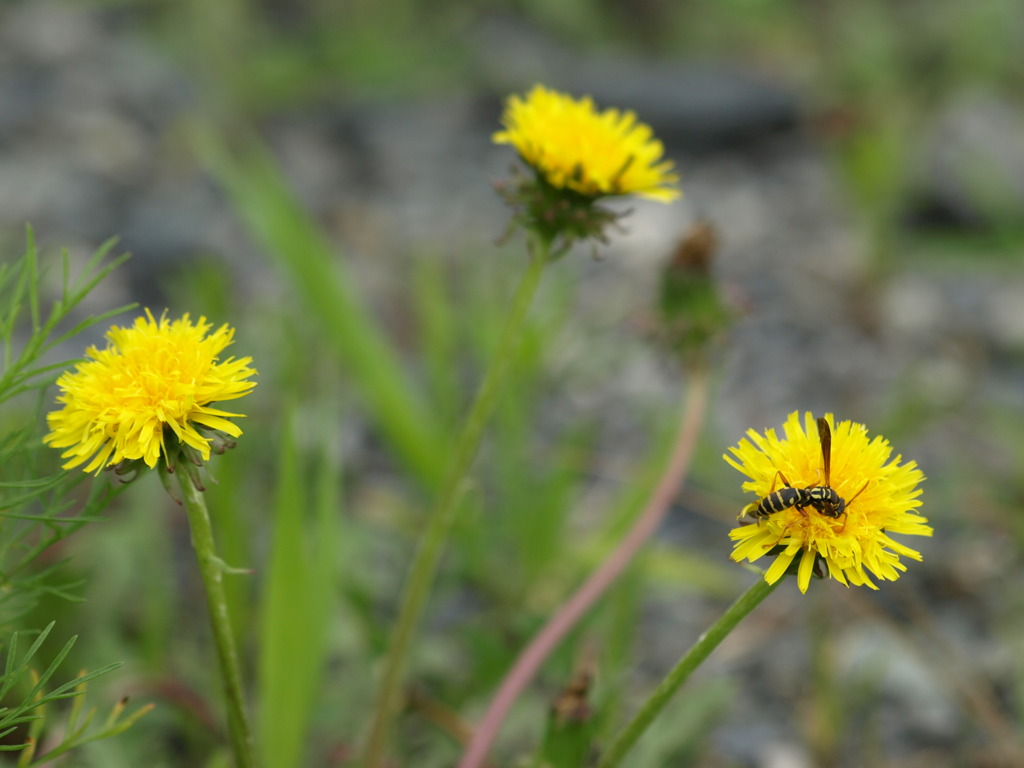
(822, 498)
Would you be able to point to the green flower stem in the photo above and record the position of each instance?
(628, 736)
(211, 568)
(442, 514)
(575, 608)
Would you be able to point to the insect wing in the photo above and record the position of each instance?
(825, 435)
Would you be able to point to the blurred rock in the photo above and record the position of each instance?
(692, 106)
(785, 755)
(869, 654)
(971, 163)
(1006, 315)
(50, 33)
(82, 124)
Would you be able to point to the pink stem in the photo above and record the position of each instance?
(565, 618)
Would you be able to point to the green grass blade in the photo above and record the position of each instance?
(296, 607)
(266, 204)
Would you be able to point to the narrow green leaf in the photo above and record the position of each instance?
(301, 251)
(296, 607)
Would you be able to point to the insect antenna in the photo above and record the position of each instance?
(852, 498)
(858, 493)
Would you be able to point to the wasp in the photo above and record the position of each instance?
(822, 498)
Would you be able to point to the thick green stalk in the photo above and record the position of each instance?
(628, 736)
(211, 568)
(442, 514)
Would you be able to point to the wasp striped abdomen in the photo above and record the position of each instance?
(823, 499)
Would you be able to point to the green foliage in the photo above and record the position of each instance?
(21, 283)
(252, 63)
(78, 729)
(38, 508)
(301, 252)
(298, 600)
(569, 735)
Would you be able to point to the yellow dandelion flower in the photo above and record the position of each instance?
(573, 146)
(879, 493)
(154, 380)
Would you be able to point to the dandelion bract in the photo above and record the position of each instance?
(854, 547)
(595, 153)
(153, 376)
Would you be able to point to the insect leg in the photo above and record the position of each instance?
(779, 475)
(782, 535)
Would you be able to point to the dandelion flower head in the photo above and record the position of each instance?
(574, 146)
(154, 378)
(881, 494)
